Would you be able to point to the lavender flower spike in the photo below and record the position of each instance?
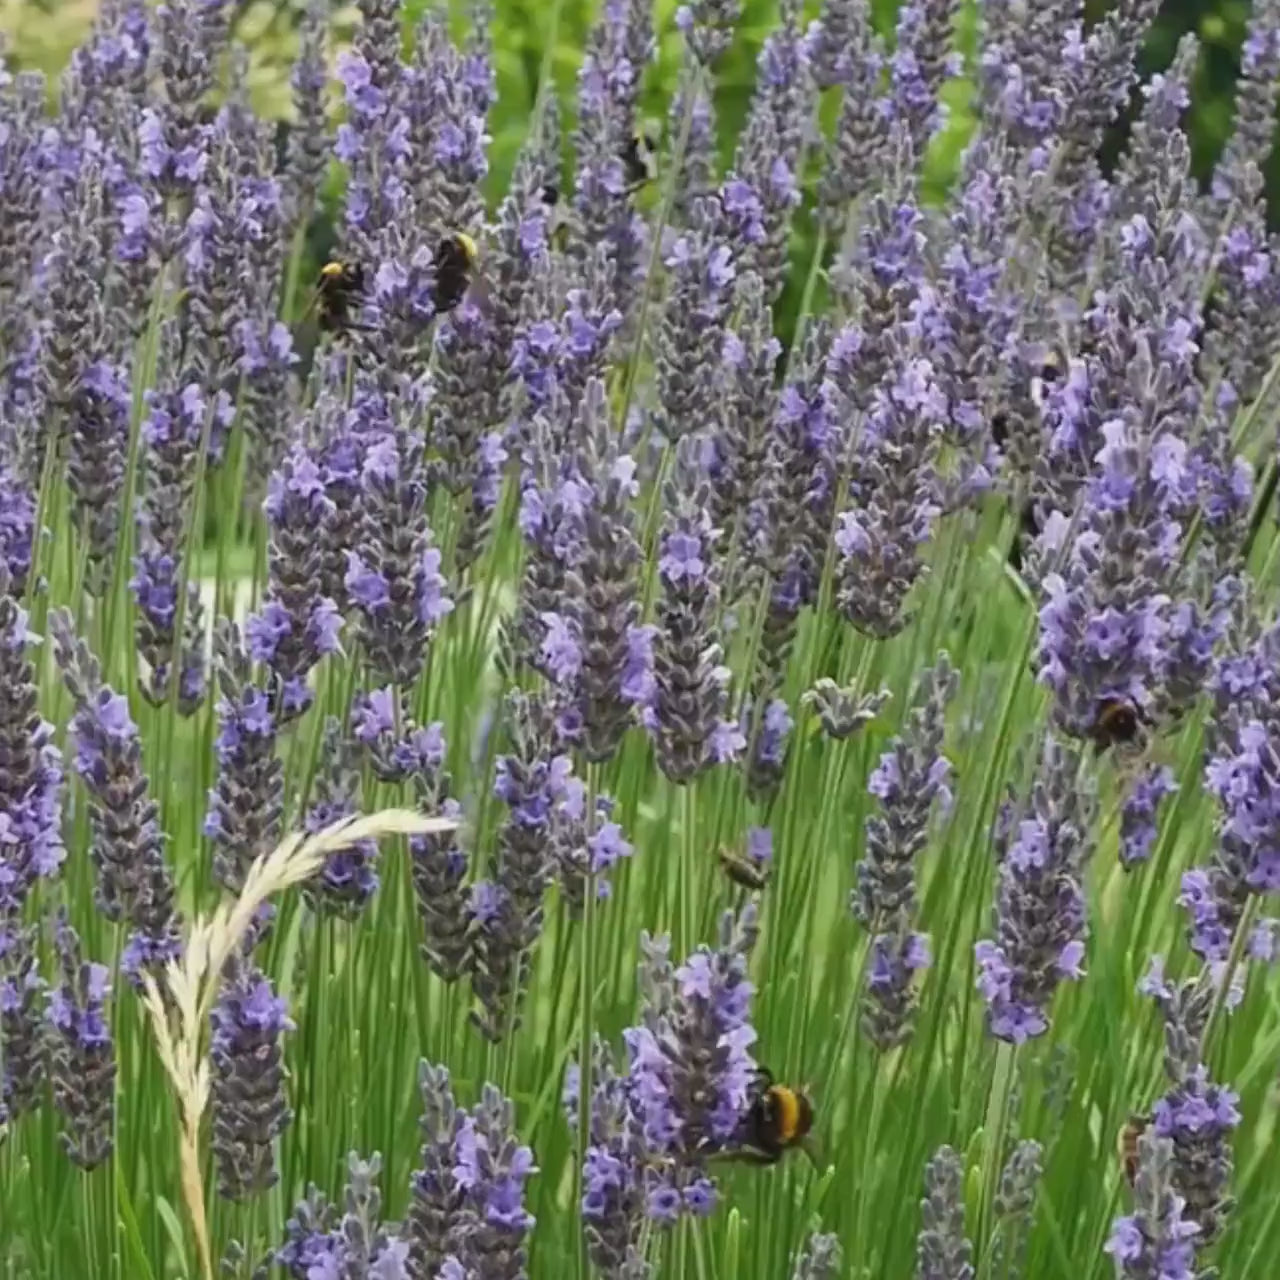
(691, 686)
(467, 1214)
(943, 1251)
(22, 1047)
(296, 626)
(393, 573)
(134, 882)
(31, 780)
(82, 1060)
(246, 800)
(506, 910)
(1243, 775)
(912, 776)
(1195, 1114)
(248, 1102)
(1043, 849)
(1157, 1241)
(821, 1260)
(691, 1068)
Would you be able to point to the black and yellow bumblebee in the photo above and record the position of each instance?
(1117, 722)
(338, 294)
(639, 155)
(455, 260)
(1127, 1145)
(340, 289)
(778, 1119)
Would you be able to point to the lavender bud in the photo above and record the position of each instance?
(295, 627)
(435, 1199)
(507, 910)
(821, 1259)
(98, 427)
(439, 880)
(1040, 906)
(17, 528)
(308, 141)
(1156, 1240)
(691, 332)
(691, 686)
(604, 583)
(843, 711)
(30, 769)
(22, 1076)
(349, 879)
(708, 27)
(82, 1062)
(393, 573)
(943, 1252)
(134, 882)
(1195, 1114)
(245, 804)
(911, 777)
(247, 1092)
(1014, 1207)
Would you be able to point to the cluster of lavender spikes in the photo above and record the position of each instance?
(674, 541)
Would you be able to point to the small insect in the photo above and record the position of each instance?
(744, 872)
(1117, 723)
(778, 1119)
(456, 257)
(1051, 371)
(1130, 1132)
(338, 295)
(639, 156)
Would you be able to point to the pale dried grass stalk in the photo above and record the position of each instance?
(191, 984)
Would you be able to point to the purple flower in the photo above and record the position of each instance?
(82, 1059)
(245, 804)
(247, 1091)
(135, 884)
(393, 573)
(1040, 910)
(31, 781)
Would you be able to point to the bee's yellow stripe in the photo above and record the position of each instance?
(331, 269)
(469, 247)
(788, 1112)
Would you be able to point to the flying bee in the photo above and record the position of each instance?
(455, 259)
(778, 1120)
(1050, 373)
(1127, 1144)
(639, 156)
(1118, 722)
(744, 872)
(339, 294)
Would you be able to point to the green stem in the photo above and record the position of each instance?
(997, 1120)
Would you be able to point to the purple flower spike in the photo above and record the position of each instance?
(247, 1095)
(1043, 847)
(31, 780)
(83, 1060)
(135, 884)
(466, 1215)
(245, 804)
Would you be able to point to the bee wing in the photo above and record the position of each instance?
(812, 1148)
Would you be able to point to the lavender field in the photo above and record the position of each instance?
(517, 761)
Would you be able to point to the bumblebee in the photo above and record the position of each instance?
(1132, 1130)
(1050, 373)
(1117, 723)
(455, 259)
(639, 156)
(338, 295)
(778, 1119)
(745, 873)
